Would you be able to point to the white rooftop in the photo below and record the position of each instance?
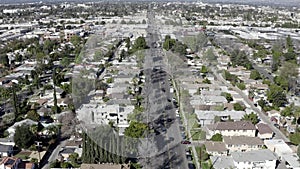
(254, 156)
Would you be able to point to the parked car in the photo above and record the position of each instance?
(185, 142)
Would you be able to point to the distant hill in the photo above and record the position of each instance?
(289, 3)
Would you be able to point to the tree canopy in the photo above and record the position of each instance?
(276, 96)
(238, 107)
(255, 75)
(251, 117)
(217, 137)
(23, 137)
(227, 96)
(239, 58)
(136, 130)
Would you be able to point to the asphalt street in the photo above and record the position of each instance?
(264, 118)
(162, 148)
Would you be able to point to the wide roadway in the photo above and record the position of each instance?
(162, 148)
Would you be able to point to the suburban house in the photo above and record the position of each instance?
(274, 116)
(255, 159)
(103, 166)
(237, 128)
(66, 152)
(6, 150)
(278, 146)
(242, 143)
(264, 131)
(291, 161)
(209, 117)
(15, 163)
(215, 148)
(10, 163)
(222, 162)
(7, 141)
(11, 130)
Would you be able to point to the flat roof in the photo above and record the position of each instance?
(292, 159)
(254, 156)
(220, 162)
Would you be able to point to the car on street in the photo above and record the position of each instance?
(185, 142)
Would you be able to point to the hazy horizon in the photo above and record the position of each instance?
(289, 3)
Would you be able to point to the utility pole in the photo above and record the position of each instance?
(38, 144)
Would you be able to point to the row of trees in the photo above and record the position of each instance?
(109, 149)
(174, 45)
(239, 58)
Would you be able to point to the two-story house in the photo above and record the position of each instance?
(255, 159)
(242, 143)
(215, 148)
(237, 128)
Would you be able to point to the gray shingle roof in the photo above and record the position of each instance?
(237, 125)
(242, 140)
(5, 148)
(253, 156)
(263, 128)
(215, 146)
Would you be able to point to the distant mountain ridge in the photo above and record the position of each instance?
(288, 3)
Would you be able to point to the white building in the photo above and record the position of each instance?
(256, 159)
(242, 143)
(278, 146)
(238, 128)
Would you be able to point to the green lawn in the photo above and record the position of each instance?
(198, 135)
(24, 155)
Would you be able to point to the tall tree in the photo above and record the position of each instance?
(23, 137)
(55, 107)
(251, 117)
(15, 101)
(276, 96)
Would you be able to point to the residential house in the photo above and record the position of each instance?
(26, 165)
(209, 117)
(222, 162)
(66, 152)
(237, 128)
(264, 131)
(10, 163)
(275, 116)
(11, 130)
(7, 141)
(242, 143)
(199, 100)
(279, 147)
(291, 161)
(103, 166)
(255, 159)
(215, 148)
(6, 150)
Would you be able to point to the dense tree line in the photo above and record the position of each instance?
(174, 45)
(239, 58)
(102, 149)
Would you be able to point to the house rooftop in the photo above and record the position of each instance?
(5, 148)
(254, 156)
(241, 140)
(215, 146)
(68, 151)
(237, 125)
(292, 160)
(221, 162)
(279, 146)
(236, 115)
(9, 161)
(103, 166)
(263, 128)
